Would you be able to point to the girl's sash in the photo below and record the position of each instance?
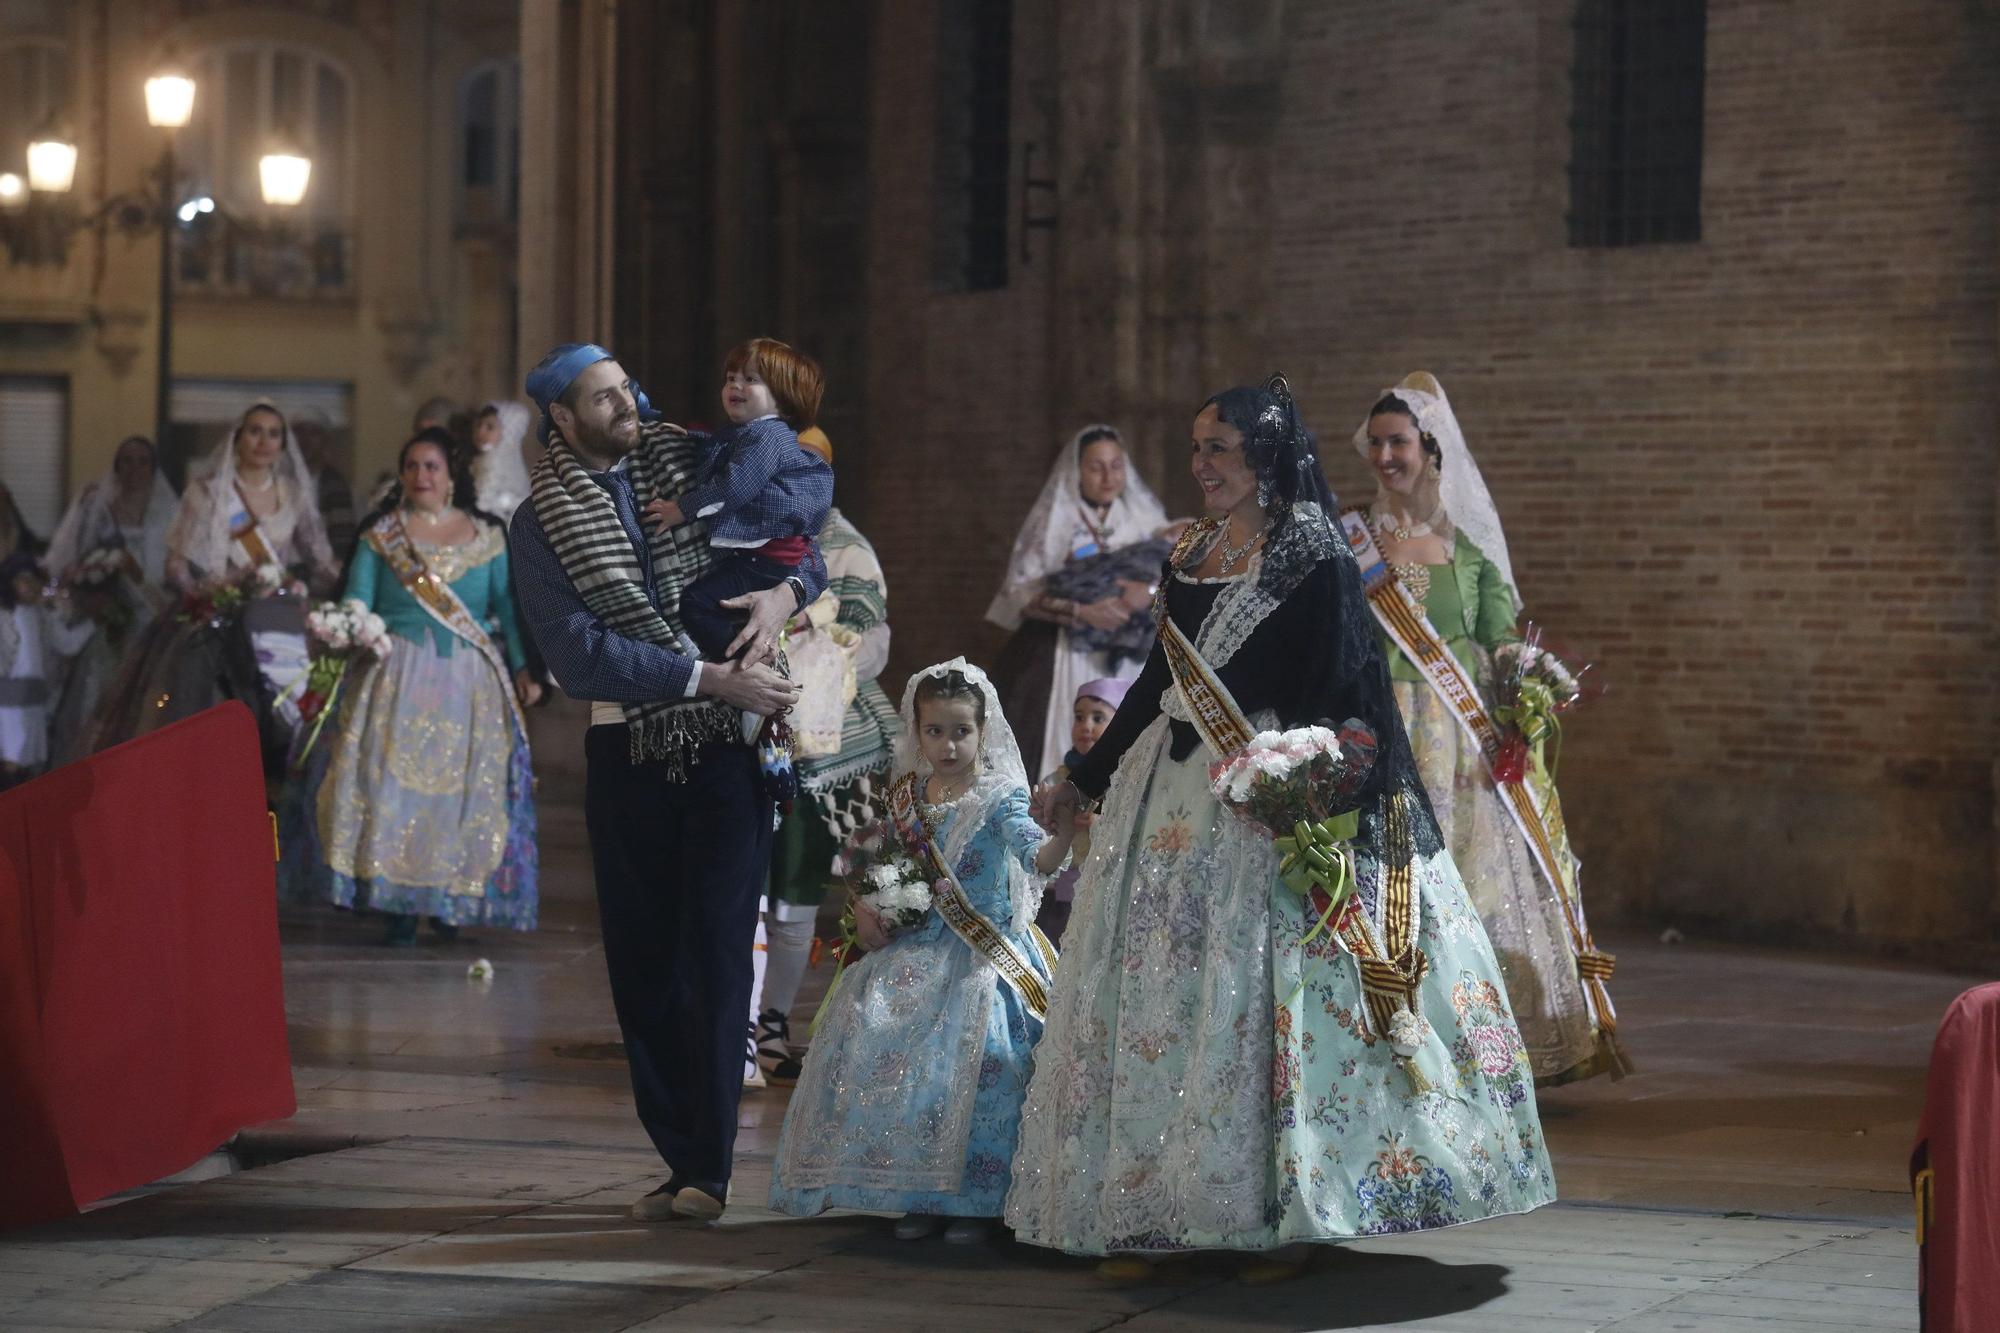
(948, 896)
(391, 540)
(255, 548)
(1403, 620)
(1388, 958)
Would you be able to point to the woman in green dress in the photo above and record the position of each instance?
(1435, 526)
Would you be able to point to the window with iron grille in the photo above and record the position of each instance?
(974, 144)
(1635, 122)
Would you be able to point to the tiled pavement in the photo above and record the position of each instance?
(1749, 1177)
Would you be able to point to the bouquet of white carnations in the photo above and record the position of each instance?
(1300, 787)
(337, 635)
(879, 870)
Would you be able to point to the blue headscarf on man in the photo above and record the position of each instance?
(554, 373)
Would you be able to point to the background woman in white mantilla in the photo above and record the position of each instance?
(1076, 610)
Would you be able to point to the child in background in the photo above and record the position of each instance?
(32, 636)
(910, 1100)
(1096, 704)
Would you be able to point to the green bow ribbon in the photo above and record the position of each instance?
(1317, 854)
(1312, 854)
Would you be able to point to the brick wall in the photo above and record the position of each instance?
(1752, 479)
(958, 423)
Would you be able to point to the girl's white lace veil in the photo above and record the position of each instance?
(1001, 774)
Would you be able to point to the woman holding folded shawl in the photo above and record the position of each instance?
(1077, 586)
(1215, 1072)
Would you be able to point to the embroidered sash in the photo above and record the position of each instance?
(1403, 619)
(255, 548)
(391, 540)
(948, 896)
(1388, 958)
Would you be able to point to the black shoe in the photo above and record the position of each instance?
(402, 931)
(445, 931)
(774, 1048)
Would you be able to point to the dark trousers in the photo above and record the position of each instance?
(708, 622)
(679, 869)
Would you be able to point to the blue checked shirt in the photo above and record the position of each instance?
(586, 659)
(757, 485)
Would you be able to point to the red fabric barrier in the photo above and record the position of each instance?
(142, 1011)
(1956, 1170)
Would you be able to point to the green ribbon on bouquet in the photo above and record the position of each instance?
(1317, 855)
(1535, 717)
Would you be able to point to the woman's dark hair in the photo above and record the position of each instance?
(952, 685)
(464, 493)
(1391, 404)
(1278, 447)
(1096, 433)
(15, 565)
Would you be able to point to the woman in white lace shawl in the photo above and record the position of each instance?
(499, 471)
(128, 510)
(1092, 503)
(249, 507)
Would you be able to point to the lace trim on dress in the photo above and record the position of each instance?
(453, 562)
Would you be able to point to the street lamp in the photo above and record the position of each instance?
(37, 234)
(283, 174)
(51, 163)
(169, 100)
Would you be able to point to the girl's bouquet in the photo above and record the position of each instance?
(337, 633)
(219, 599)
(97, 588)
(878, 870)
(1300, 787)
(1531, 688)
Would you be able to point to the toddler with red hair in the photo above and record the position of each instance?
(763, 497)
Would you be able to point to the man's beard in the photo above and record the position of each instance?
(603, 441)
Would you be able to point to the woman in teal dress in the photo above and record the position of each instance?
(422, 804)
(910, 1099)
(1435, 526)
(1219, 1072)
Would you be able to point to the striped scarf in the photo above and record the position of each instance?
(582, 524)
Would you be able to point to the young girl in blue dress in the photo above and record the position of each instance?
(910, 1100)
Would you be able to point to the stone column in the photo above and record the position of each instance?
(567, 100)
